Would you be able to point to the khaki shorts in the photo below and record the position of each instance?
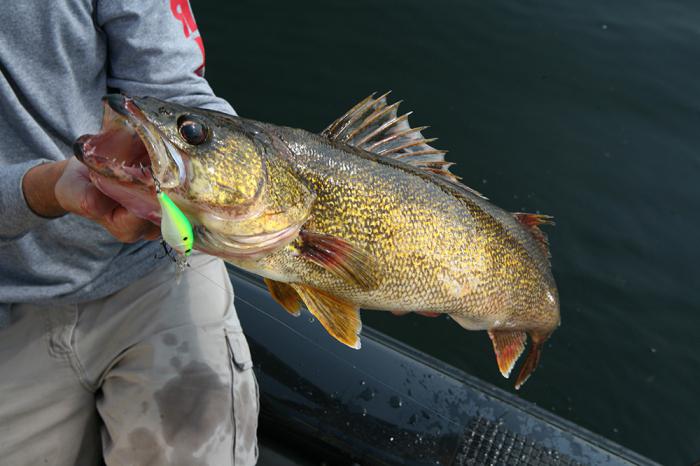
(158, 373)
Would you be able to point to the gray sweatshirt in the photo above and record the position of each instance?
(57, 60)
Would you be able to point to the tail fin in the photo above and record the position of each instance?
(532, 359)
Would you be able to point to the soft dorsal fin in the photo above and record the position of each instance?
(376, 127)
(532, 222)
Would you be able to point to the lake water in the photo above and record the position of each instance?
(585, 110)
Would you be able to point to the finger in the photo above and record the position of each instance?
(95, 204)
(125, 226)
(152, 233)
(75, 192)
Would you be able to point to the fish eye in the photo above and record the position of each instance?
(193, 131)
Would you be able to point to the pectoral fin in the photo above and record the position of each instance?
(340, 318)
(508, 345)
(285, 295)
(339, 257)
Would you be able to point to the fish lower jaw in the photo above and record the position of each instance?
(139, 200)
(245, 249)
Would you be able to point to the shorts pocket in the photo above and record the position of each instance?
(246, 404)
(238, 349)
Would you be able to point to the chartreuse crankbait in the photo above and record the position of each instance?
(175, 228)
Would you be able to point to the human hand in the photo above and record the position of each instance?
(75, 193)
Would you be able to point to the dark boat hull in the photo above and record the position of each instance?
(390, 404)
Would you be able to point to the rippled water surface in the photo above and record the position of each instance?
(578, 109)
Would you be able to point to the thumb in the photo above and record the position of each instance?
(95, 204)
(76, 193)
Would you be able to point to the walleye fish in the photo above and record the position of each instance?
(365, 214)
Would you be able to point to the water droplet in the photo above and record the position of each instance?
(391, 439)
(616, 430)
(312, 320)
(362, 382)
(367, 394)
(395, 402)
(653, 350)
(604, 27)
(364, 412)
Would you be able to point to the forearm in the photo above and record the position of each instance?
(38, 186)
(16, 217)
(156, 50)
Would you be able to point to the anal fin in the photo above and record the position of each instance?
(339, 317)
(285, 295)
(508, 346)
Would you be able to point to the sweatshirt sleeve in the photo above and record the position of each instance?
(155, 49)
(18, 217)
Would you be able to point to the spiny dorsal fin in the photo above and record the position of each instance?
(532, 223)
(376, 127)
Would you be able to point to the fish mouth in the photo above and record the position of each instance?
(131, 150)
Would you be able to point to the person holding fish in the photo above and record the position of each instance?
(104, 356)
(365, 214)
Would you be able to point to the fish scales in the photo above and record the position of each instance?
(434, 251)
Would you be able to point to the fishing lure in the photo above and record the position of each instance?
(175, 229)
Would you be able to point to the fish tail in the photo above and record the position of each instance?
(537, 340)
